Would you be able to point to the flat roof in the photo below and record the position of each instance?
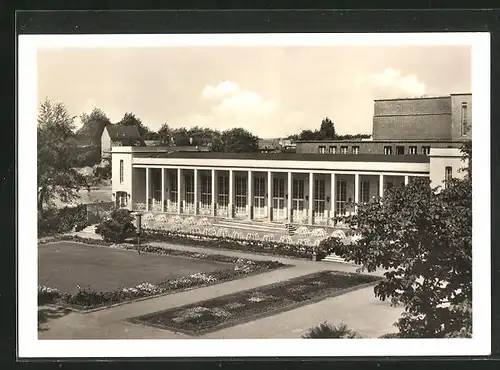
(389, 141)
(414, 158)
(415, 98)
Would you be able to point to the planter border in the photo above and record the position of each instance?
(83, 310)
(331, 293)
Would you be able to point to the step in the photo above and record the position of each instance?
(334, 258)
(251, 227)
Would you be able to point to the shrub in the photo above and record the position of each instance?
(326, 330)
(47, 295)
(56, 221)
(118, 227)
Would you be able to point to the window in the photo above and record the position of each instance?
(223, 186)
(206, 189)
(343, 149)
(388, 150)
(388, 185)
(241, 191)
(400, 150)
(341, 193)
(355, 150)
(321, 149)
(426, 150)
(413, 150)
(259, 191)
(298, 194)
(365, 191)
(463, 119)
(189, 188)
(448, 174)
(319, 195)
(278, 192)
(172, 178)
(333, 150)
(121, 171)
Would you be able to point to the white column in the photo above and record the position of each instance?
(289, 198)
(406, 180)
(179, 190)
(213, 193)
(147, 188)
(311, 198)
(269, 195)
(356, 191)
(381, 186)
(231, 193)
(163, 189)
(332, 197)
(250, 195)
(195, 176)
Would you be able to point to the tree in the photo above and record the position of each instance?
(129, 119)
(165, 134)
(423, 239)
(56, 147)
(307, 135)
(326, 330)
(118, 227)
(327, 130)
(89, 137)
(93, 125)
(237, 140)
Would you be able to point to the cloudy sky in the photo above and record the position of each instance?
(271, 91)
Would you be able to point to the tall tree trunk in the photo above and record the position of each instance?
(40, 203)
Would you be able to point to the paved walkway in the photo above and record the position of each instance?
(360, 310)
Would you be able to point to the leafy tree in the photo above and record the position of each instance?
(166, 134)
(56, 147)
(130, 119)
(93, 125)
(237, 140)
(118, 227)
(423, 239)
(328, 331)
(308, 135)
(327, 130)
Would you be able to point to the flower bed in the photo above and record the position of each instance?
(249, 244)
(217, 313)
(86, 298)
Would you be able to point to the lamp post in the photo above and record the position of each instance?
(138, 229)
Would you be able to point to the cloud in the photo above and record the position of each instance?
(223, 89)
(231, 106)
(392, 82)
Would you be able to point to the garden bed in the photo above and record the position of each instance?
(87, 299)
(230, 310)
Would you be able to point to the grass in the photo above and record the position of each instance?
(230, 310)
(64, 265)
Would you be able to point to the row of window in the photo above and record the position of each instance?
(400, 150)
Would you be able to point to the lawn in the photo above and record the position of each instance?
(230, 310)
(64, 265)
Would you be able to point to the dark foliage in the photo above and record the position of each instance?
(118, 227)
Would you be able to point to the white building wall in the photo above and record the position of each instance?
(440, 159)
(105, 144)
(126, 184)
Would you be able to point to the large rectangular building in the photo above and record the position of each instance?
(407, 126)
(303, 188)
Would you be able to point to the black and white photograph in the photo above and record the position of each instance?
(253, 187)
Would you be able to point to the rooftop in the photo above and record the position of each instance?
(289, 156)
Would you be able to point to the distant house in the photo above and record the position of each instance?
(152, 142)
(276, 145)
(119, 135)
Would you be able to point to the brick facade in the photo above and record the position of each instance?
(437, 122)
(371, 147)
